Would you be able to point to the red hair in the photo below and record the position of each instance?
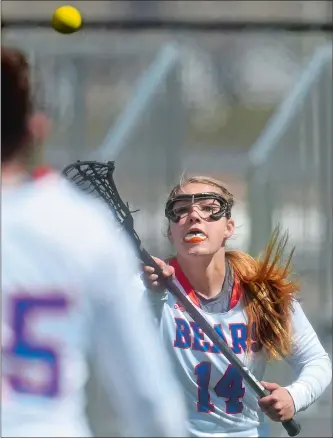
(268, 294)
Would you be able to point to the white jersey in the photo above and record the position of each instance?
(67, 293)
(219, 402)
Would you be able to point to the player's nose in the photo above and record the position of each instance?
(193, 214)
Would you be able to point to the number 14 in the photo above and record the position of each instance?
(230, 386)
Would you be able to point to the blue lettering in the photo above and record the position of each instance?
(183, 334)
(198, 344)
(214, 349)
(238, 334)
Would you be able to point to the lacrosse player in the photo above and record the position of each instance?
(66, 295)
(251, 304)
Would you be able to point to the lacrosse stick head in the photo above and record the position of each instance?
(96, 179)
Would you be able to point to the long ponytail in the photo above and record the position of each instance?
(268, 295)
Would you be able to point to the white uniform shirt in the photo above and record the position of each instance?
(66, 294)
(219, 402)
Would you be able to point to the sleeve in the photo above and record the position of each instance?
(132, 362)
(309, 361)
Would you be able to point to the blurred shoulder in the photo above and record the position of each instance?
(95, 221)
(73, 220)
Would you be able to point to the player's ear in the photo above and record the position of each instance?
(229, 229)
(169, 234)
(39, 126)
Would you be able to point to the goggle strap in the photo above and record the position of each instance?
(224, 211)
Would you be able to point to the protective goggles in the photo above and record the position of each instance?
(209, 205)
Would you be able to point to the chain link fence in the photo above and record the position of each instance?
(291, 180)
(290, 183)
(202, 117)
(162, 102)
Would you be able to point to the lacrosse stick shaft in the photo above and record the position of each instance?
(94, 176)
(291, 426)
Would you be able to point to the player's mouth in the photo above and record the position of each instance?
(195, 236)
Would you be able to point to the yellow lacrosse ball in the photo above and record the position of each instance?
(66, 20)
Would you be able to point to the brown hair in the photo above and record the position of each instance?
(15, 102)
(268, 293)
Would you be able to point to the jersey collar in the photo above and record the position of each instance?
(185, 283)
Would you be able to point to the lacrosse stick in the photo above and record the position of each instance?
(96, 178)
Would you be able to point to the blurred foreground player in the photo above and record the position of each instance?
(66, 295)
